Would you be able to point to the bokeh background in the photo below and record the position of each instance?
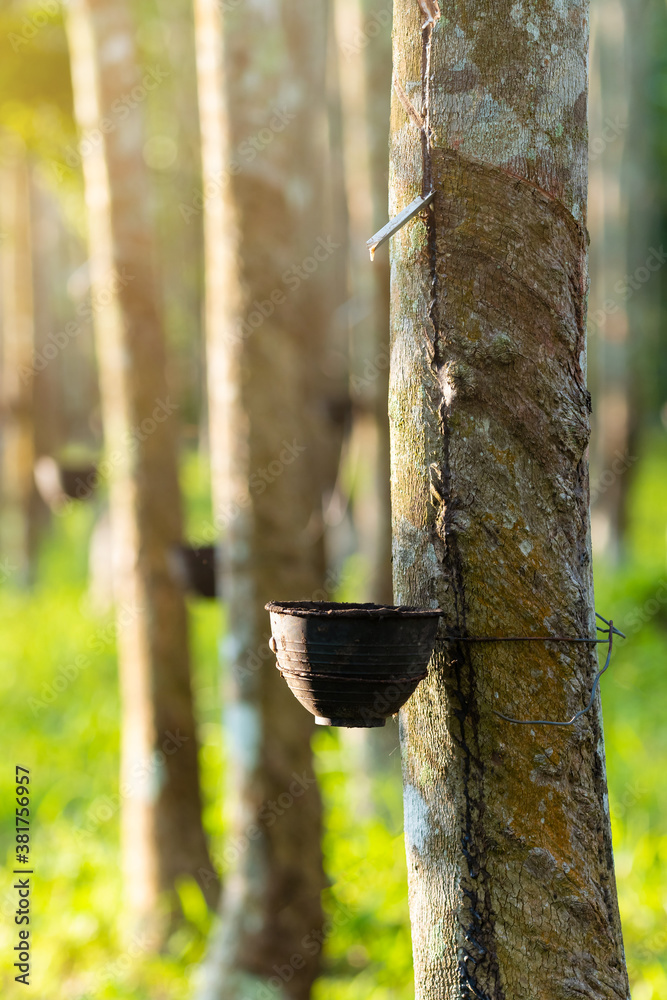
(58, 677)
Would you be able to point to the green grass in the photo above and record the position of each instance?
(58, 689)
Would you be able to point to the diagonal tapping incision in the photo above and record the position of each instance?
(410, 109)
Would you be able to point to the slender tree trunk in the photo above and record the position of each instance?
(336, 220)
(614, 423)
(263, 118)
(50, 274)
(642, 355)
(364, 55)
(19, 500)
(377, 66)
(508, 839)
(162, 833)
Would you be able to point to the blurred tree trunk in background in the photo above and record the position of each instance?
(336, 220)
(50, 273)
(645, 192)
(274, 450)
(650, 65)
(615, 416)
(162, 834)
(510, 867)
(173, 153)
(364, 58)
(19, 509)
(381, 745)
(377, 66)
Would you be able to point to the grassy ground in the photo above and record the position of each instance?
(59, 695)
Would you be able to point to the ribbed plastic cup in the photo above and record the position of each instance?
(352, 665)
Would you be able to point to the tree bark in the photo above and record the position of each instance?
(162, 833)
(263, 121)
(511, 877)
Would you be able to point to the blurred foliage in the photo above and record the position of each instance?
(61, 721)
(34, 68)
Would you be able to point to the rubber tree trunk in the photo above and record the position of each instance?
(162, 834)
(263, 118)
(19, 500)
(511, 877)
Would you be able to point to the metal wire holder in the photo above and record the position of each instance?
(610, 631)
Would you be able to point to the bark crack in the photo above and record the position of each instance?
(479, 925)
(410, 109)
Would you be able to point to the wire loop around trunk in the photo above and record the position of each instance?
(610, 631)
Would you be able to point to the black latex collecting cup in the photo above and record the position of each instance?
(352, 665)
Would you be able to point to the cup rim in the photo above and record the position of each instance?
(334, 609)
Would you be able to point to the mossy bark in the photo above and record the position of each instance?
(512, 890)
